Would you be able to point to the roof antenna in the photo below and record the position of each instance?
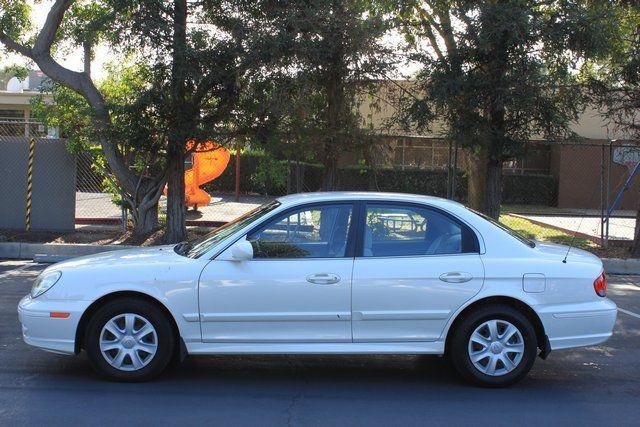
(573, 240)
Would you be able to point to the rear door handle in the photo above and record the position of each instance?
(456, 277)
(323, 278)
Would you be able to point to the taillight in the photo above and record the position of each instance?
(600, 285)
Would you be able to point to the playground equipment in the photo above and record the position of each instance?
(629, 156)
(209, 161)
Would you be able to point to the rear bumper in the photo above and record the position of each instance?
(578, 325)
(41, 330)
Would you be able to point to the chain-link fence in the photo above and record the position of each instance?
(563, 192)
(555, 191)
(583, 192)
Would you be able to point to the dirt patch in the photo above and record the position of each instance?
(156, 238)
(93, 236)
(613, 251)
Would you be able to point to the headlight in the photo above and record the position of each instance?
(44, 282)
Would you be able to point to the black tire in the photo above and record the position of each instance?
(459, 353)
(149, 311)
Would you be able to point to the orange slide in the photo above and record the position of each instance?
(209, 161)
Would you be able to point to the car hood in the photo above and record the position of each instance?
(555, 250)
(122, 258)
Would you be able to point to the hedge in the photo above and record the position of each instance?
(262, 175)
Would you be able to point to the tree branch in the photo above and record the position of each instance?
(15, 46)
(87, 58)
(426, 24)
(50, 28)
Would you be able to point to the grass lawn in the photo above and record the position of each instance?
(545, 234)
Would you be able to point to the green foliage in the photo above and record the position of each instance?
(269, 173)
(19, 71)
(135, 126)
(507, 71)
(15, 18)
(615, 79)
(328, 53)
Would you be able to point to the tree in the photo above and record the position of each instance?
(615, 80)
(500, 72)
(202, 56)
(332, 52)
(197, 54)
(85, 25)
(135, 127)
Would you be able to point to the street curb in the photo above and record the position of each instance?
(53, 252)
(621, 266)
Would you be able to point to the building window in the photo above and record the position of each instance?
(12, 122)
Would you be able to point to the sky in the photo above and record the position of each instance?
(72, 60)
(102, 55)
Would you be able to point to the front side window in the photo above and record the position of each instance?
(198, 247)
(407, 230)
(309, 232)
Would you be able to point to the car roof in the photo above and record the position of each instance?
(295, 199)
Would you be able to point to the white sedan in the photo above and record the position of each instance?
(328, 273)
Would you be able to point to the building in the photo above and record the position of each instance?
(584, 170)
(15, 106)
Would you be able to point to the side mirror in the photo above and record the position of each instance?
(241, 251)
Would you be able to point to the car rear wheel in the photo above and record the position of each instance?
(129, 339)
(494, 346)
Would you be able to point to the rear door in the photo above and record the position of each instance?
(415, 266)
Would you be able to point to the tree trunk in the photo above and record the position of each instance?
(330, 177)
(485, 183)
(176, 229)
(335, 140)
(146, 220)
(477, 180)
(493, 185)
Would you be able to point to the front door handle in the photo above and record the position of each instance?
(323, 278)
(456, 277)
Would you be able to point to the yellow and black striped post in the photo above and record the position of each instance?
(32, 148)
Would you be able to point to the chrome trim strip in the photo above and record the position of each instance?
(191, 317)
(402, 315)
(579, 314)
(275, 317)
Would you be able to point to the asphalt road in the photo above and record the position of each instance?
(589, 386)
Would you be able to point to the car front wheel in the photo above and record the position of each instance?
(129, 339)
(494, 346)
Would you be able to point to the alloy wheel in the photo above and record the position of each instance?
(496, 347)
(128, 342)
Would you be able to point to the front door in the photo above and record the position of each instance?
(416, 266)
(297, 288)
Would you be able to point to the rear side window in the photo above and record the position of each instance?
(402, 230)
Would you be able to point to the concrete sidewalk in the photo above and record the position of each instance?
(53, 252)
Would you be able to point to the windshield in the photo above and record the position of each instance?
(503, 227)
(195, 248)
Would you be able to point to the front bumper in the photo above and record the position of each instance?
(578, 325)
(41, 330)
